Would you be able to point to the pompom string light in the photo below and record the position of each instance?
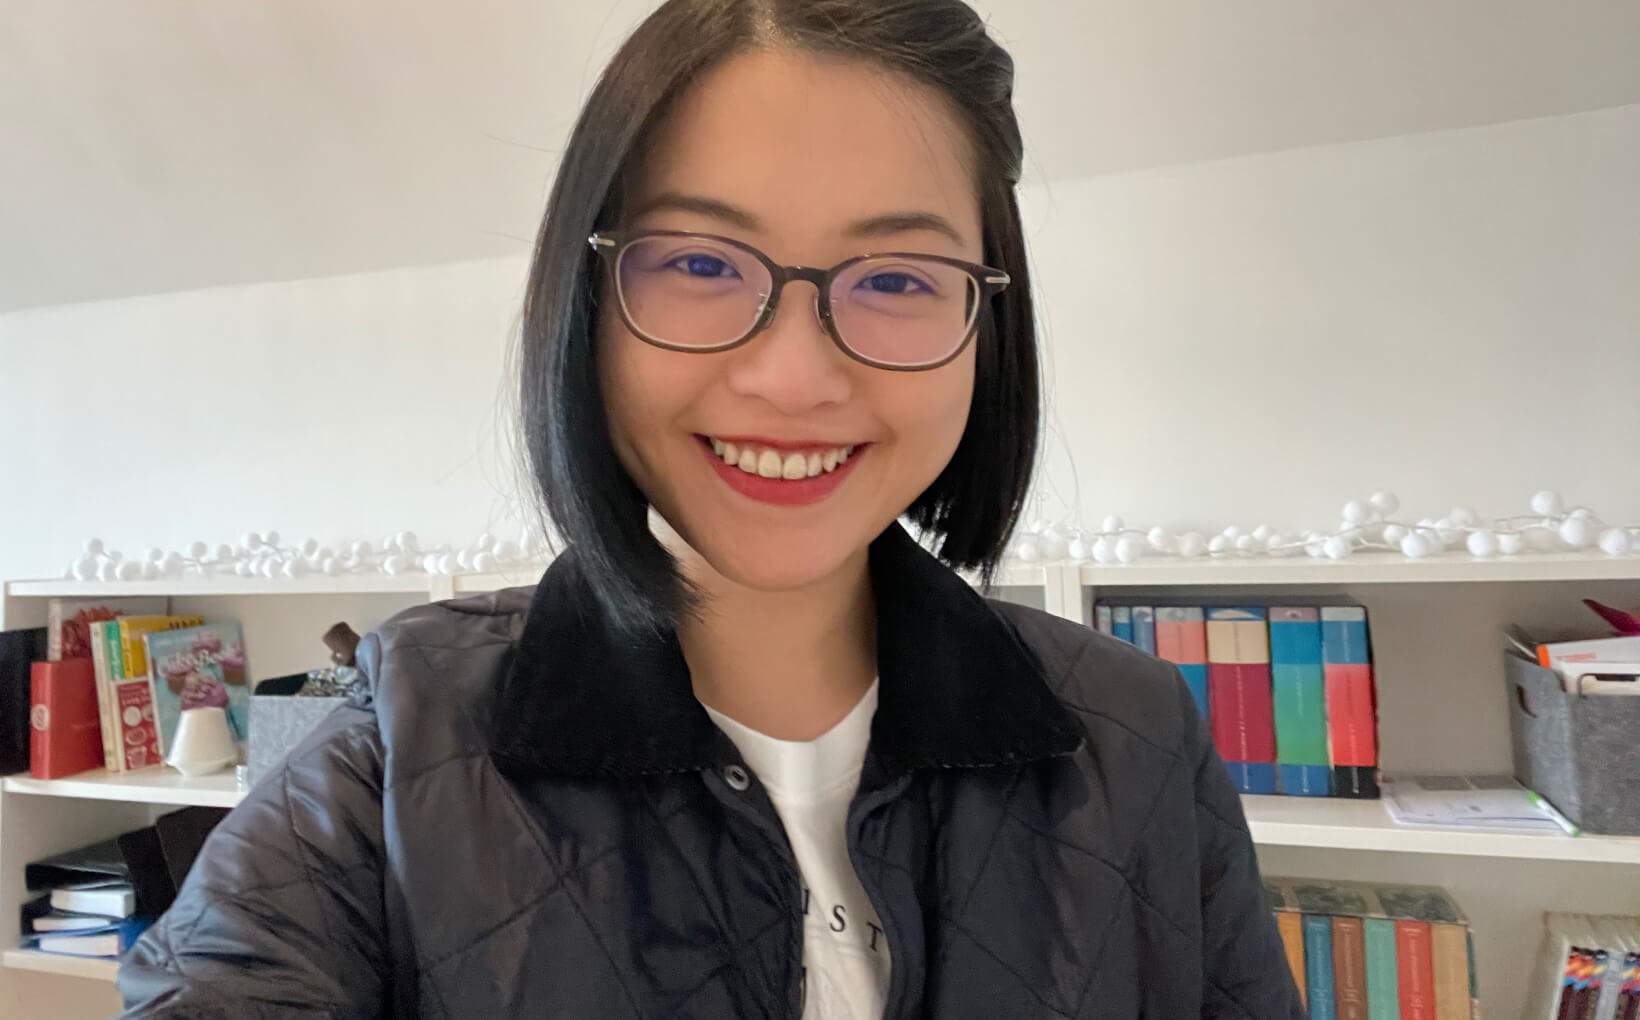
(1368, 525)
(262, 555)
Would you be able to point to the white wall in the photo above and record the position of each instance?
(1454, 316)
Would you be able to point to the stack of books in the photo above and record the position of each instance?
(117, 676)
(96, 900)
(1589, 969)
(1288, 689)
(1364, 951)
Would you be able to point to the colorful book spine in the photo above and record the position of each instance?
(133, 651)
(1291, 926)
(1144, 628)
(1383, 995)
(1449, 943)
(1415, 967)
(1243, 716)
(1351, 706)
(1181, 638)
(1298, 681)
(1318, 964)
(1349, 968)
(99, 645)
(1101, 620)
(1121, 623)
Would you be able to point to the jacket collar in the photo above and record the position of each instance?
(957, 687)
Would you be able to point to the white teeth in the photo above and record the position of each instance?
(774, 464)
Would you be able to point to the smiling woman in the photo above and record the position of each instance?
(748, 749)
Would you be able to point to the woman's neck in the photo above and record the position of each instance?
(787, 664)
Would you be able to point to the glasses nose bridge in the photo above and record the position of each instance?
(792, 274)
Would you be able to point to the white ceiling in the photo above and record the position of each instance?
(159, 145)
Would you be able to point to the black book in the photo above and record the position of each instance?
(19, 650)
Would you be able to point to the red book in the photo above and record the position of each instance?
(1415, 963)
(136, 730)
(1240, 700)
(65, 736)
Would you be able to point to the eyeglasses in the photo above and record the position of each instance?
(702, 293)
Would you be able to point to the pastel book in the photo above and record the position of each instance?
(1243, 715)
(1352, 704)
(1299, 690)
(196, 667)
(1181, 638)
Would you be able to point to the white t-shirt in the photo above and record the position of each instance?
(845, 954)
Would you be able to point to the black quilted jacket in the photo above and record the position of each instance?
(528, 817)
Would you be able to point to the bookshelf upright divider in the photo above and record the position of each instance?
(1434, 627)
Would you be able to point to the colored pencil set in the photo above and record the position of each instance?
(1288, 690)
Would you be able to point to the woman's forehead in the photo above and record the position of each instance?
(809, 146)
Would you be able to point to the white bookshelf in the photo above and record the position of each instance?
(1434, 628)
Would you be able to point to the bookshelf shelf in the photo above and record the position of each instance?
(313, 584)
(149, 786)
(94, 967)
(1327, 823)
(1362, 568)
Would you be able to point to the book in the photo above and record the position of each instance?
(19, 651)
(1238, 676)
(97, 636)
(1415, 965)
(198, 666)
(1383, 992)
(68, 620)
(1454, 995)
(1101, 620)
(111, 899)
(133, 653)
(1318, 965)
(1144, 628)
(58, 920)
(1588, 968)
(1181, 638)
(110, 940)
(1291, 927)
(1299, 695)
(151, 862)
(1584, 655)
(1352, 712)
(66, 733)
(1397, 950)
(1349, 968)
(136, 725)
(1121, 623)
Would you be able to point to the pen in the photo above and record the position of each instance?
(1549, 809)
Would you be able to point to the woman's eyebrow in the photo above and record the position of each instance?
(882, 225)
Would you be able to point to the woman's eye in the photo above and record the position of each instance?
(893, 283)
(705, 266)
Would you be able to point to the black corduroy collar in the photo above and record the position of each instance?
(957, 687)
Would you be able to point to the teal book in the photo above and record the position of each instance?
(1299, 686)
(1121, 622)
(1383, 989)
(1318, 966)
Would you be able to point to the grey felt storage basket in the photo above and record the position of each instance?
(278, 723)
(1581, 752)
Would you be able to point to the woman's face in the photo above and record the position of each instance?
(813, 162)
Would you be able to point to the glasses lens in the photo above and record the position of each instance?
(903, 311)
(691, 291)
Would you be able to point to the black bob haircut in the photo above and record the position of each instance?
(972, 506)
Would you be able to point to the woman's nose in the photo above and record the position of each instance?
(793, 363)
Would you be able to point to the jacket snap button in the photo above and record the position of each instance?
(736, 777)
